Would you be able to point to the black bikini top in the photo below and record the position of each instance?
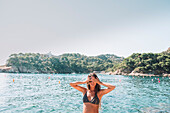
(95, 99)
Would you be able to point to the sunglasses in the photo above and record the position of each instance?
(89, 82)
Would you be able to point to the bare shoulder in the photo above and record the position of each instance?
(84, 91)
(104, 91)
(99, 94)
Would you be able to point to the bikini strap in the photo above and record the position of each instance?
(96, 93)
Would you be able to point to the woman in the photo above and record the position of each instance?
(93, 93)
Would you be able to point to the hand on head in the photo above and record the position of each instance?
(88, 79)
(92, 79)
(96, 80)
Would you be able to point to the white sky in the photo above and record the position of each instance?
(89, 27)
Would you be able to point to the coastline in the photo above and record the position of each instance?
(132, 74)
(5, 69)
(147, 75)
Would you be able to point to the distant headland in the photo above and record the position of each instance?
(138, 64)
(145, 64)
(65, 63)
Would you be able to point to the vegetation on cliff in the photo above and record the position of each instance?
(146, 63)
(65, 63)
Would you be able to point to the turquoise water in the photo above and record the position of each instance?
(30, 93)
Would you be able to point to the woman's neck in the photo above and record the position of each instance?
(92, 88)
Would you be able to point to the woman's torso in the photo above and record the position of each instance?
(90, 108)
(90, 102)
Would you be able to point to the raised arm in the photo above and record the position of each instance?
(109, 88)
(76, 86)
(104, 91)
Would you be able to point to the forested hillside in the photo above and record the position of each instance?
(65, 63)
(146, 63)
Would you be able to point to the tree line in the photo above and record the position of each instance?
(146, 63)
(149, 63)
(65, 63)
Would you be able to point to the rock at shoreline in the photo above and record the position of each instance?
(166, 75)
(119, 72)
(4, 68)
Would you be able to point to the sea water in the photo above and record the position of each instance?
(36, 93)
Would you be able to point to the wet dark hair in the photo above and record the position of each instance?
(97, 87)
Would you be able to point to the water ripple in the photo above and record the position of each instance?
(31, 93)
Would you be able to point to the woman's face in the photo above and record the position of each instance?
(92, 83)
